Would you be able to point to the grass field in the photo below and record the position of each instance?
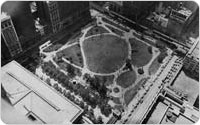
(96, 30)
(126, 79)
(140, 54)
(72, 54)
(131, 93)
(154, 66)
(116, 100)
(105, 53)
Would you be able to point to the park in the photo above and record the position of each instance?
(93, 66)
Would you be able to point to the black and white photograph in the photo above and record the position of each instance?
(99, 62)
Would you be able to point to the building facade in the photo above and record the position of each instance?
(138, 10)
(61, 15)
(23, 21)
(191, 62)
(9, 36)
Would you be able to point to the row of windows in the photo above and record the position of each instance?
(56, 27)
(10, 35)
(55, 16)
(53, 6)
(5, 24)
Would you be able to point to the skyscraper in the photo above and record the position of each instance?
(60, 15)
(22, 19)
(9, 35)
(137, 10)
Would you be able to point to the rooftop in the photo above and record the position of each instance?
(31, 96)
(4, 16)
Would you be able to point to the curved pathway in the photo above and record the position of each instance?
(126, 36)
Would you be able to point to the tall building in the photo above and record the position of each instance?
(9, 36)
(137, 10)
(33, 99)
(62, 14)
(116, 6)
(22, 19)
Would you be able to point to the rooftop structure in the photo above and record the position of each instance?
(181, 15)
(34, 98)
(4, 16)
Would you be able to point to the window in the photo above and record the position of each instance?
(2, 26)
(9, 23)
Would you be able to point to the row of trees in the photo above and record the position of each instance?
(88, 112)
(88, 94)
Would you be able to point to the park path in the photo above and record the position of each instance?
(126, 36)
(85, 69)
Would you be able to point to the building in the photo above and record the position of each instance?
(116, 6)
(137, 10)
(9, 37)
(34, 99)
(191, 62)
(22, 19)
(62, 14)
(168, 15)
(181, 15)
(166, 110)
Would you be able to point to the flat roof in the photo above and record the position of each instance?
(29, 94)
(158, 113)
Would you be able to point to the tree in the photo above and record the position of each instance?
(75, 90)
(86, 76)
(81, 104)
(161, 57)
(140, 71)
(48, 81)
(106, 110)
(70, 71)
(64, 92)
(128, 65)
(72, 98)
(150, 50)
(99, 120)
(103, 91)
(67, 95)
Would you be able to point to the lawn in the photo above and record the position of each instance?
(126, 79)
(116, 100)
(72, 54)
(114, 30)
(154, 66)
(140, 54)
(96, 30)
(105, 53)
(131, 93)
